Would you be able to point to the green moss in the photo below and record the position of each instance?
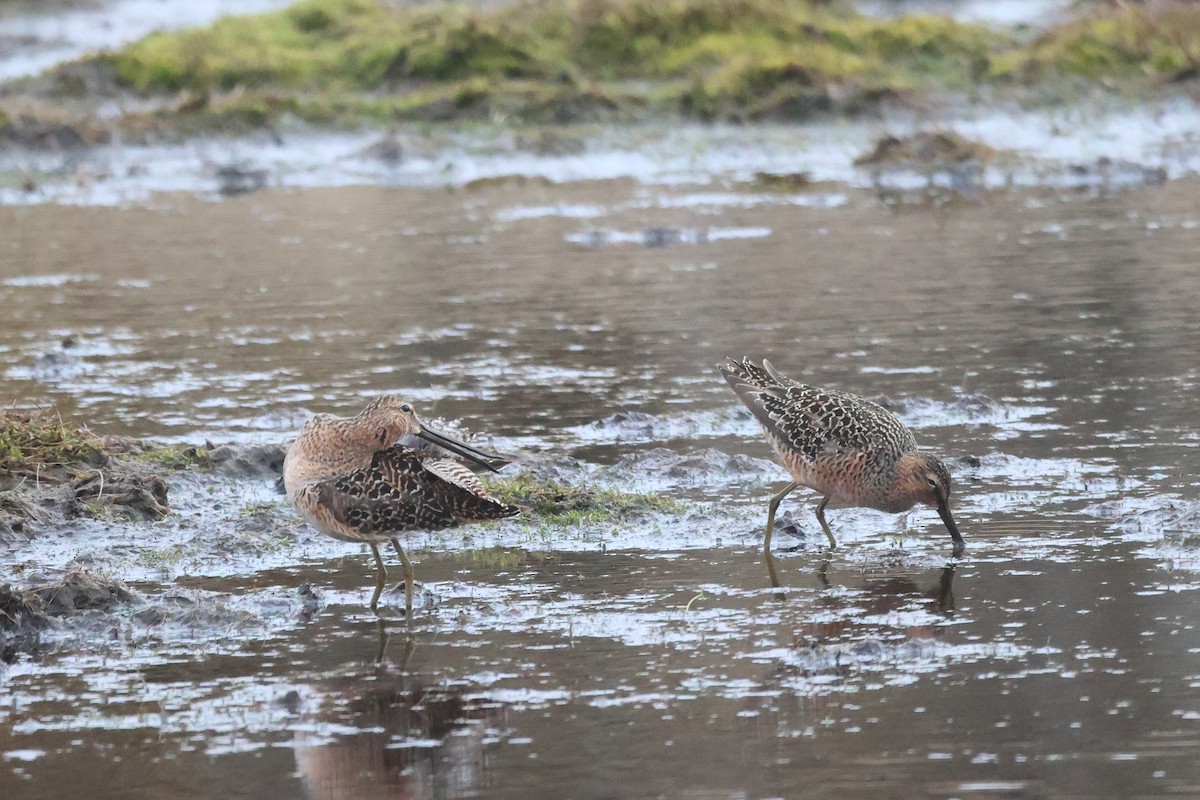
(161, 558)
(174, 457)
(633, 38)
(1123, 43)
(101, 512)
(34, 440)
(787, 85)
(334, 43)
(783, 181)
(508, 557)
(547, 61)
(495, 181)
(561, 504)
(341, 61)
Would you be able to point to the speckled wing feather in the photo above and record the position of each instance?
(815, 423)
(405, 490)
(457, 473)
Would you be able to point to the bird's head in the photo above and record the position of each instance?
(926, 479)
(394, 418)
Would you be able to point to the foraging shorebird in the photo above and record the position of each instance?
(356, 479)
(848, 449)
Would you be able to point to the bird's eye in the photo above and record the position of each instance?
(933, 483)
(406, 408)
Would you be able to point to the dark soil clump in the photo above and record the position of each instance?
(252, 461)
(16, 511)
(109, 495)
(78, 591)
(927, 148)
(16, 612)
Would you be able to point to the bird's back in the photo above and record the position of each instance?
(835, 442)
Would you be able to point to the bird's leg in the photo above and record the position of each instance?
(771, 508)
(380, 577)
(383, 639)
(771, 574)
(825, 525)
(408, 577)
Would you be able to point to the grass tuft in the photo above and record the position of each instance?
(31, 441)
(1113, 43)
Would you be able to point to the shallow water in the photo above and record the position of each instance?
(1049, 334)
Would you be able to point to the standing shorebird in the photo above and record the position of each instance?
(848, 449)
(354, 479)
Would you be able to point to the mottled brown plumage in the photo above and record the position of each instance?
(848, 449)
(353, 479)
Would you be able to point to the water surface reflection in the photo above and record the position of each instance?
(1045, 342)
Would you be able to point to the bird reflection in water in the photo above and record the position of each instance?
(876, 599)
(412, 740)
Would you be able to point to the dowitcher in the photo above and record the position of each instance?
(850, 450)
(358, 480)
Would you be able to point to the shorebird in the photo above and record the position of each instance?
(848, 449)
(364, 479)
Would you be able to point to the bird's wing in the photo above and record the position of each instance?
(815, 422)
(457, 473)
(404, 490)
(747, 373)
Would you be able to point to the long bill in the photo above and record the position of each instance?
(490, 461)
(948, 518)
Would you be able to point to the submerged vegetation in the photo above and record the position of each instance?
(341, 62)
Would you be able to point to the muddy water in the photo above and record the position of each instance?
(1053, 337)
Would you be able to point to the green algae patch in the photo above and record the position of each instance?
(499, 557)
(173, 457)
(562, 504)
(33, 442)
(1122, 43)
(542, 61)
(838, 63)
